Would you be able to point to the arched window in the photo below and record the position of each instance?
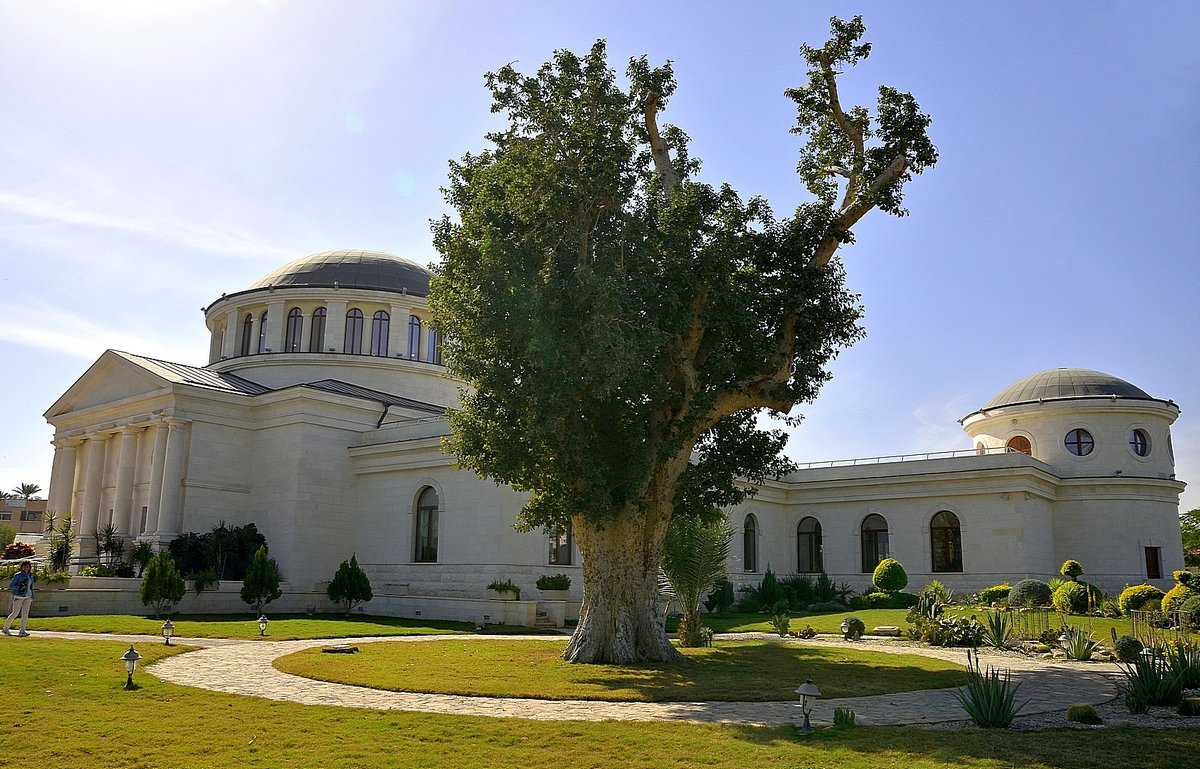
(425, 538)
(433, 349)
(247, 332)
(750, 544)
(294, 331)
(414, 337)
(262, 333)
(945, 542)
(808, 546)
(1019, 443)
(1139, 443)
(561, 542)
(353, 342)
(1079, 442)
(316, 333)
(874, 541)
(380, 322)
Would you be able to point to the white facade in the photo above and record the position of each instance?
(327, 436)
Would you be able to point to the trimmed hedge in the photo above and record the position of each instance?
(890, 600)
(1029, 592)
(990, 595)
(890, 576)
(1135, 597)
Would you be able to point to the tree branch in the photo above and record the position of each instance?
(658, 147)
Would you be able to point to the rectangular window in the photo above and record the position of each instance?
(145, 514)
(5, 515)
(1154, 563)
(561, 541)
(31, 515)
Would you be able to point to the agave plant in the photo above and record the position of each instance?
(1150, 680)
(1183, 658)
(989, 697)
(998, 629)
(1078, 644)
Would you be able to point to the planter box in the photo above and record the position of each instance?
(497, 595)
(555, 595)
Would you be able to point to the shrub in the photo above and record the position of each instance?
(350, 585)
(161, 583)
(7, 535)
(507, 586)
(1083, 713)
(1190, 706)
(720, 600)
(140, 555)
(990, 595)
(1079, 645)
(769, 591)
(1071, 569)
(96, 570)
(843, 718)
(1127, 648)
(949, 631)
(1135, 597)
(551, 582)
(15, 550)
(998, 629)
(260, 586)
(204, 580)
(800, 591)
(889, 576)
(1183, 659)
(854, 629)
(1029, 592)
(989, 697)
(808, 631)
(1070, 598)
(1189, 613)
(780, 620)
(890, 600)
(1149, 681)
(826, 607)
(1183, 590)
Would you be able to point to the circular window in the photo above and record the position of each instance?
(1139, 443)
(1020, 444)
(1079, 442)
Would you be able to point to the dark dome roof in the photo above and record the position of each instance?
(1063, 384)
(351, 268)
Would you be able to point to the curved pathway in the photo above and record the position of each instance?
(244, 667)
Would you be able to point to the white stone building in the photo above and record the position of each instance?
(320, 412)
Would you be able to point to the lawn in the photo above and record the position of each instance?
(63, 706)
(282, 627)
(748, 671)
(822, 623)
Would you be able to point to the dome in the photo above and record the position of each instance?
(1065, 384)
(351, 268)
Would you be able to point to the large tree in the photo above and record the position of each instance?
(1189, 525)
(619, 324)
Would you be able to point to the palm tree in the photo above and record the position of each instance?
(694, 556)
(27, 491)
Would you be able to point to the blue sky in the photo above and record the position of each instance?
(154, 155)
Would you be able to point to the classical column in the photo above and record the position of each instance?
(62, 478)
(157, 460)
(255, 331)
(398, 332)
(172, 482)
(123, 502)
(229, 345)
(335, 326)
(81, 455)
(89, 514)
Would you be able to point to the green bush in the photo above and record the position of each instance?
(1190, 706)
(1189, 613)
(780, 620)
(1134, 597)
(769, 591)
(1183, 590)
(854, 629)
(843, 718)
(7, 535)
(826, 607)
(260, 586)
(990, 595)
(1149, 681)
(1029, 592)
(948, 631)
(507, 586)
(1071, 569)
(1083, 713)
(889, 600)
(1127, 648)
(1079, 645)
(720, 600)
(350, 585)
(889, 576)
(1183, 658)
(161, 583)
(1076, 598)
(553, 582)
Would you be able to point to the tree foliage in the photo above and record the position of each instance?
(620, 324)
(161, 583)
(260, 586)
(350, 585)
(1189, 525)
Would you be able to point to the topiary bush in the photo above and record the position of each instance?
(890, 576)
(1029, 592)
(990, 595)
(1127, 648)
(1071, 569)
(1174, 598)
(1076, 598)
(1135, 597)
(1083, 713)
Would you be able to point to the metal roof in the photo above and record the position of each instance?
(351, 268)
(345, 388)
(197, 377)
(1066, 383)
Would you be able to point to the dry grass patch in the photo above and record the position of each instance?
(748, 671)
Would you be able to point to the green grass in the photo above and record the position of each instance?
(282, 627)
(750, 671)
(63, 706)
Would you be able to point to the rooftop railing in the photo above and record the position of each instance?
(906, 457)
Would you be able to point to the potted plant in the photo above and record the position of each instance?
(504, 591)
(554, 587)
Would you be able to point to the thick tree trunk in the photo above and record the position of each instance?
(620, 621)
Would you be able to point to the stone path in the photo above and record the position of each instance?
(244, 667)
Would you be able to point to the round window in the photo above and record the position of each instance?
(1079, 442)
(1139, 443)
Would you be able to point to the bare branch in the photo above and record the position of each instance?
(658, 147)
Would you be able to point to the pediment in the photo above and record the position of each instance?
(111, 379)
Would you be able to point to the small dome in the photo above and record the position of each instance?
(1065, 384)
(351, 268)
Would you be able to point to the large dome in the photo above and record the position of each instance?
(351, 268)
(1064, 384)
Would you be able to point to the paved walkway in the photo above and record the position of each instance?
(241, 667)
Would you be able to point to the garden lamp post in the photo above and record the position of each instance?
(168, 630)
(262, 624)
(1064, 639)
(808, 695)
(130, 658)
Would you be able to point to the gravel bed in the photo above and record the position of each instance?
(1112, 713)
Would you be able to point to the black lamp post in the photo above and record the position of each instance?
(262, 624)
(168, 630)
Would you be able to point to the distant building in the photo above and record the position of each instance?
(320, 413)
(24, 515)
